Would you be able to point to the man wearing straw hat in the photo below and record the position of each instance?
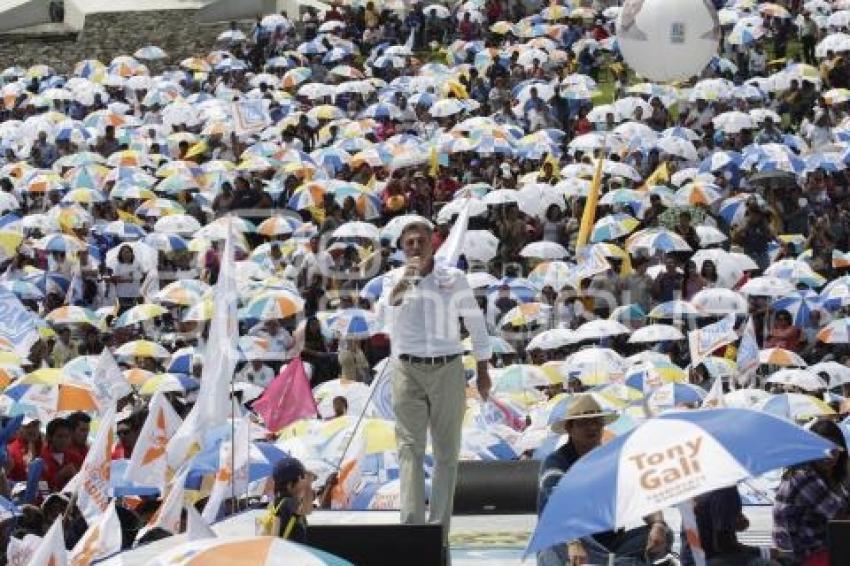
(585, 422)
(422, 308)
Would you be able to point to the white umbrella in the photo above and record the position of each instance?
(480, 245)
(552, 339)
(719, 301)
(479, 279)
(839, 374)
(656, 333)
(804, 379)
(733, 122)
(781, 357)
(600, 328)
(709, 235)
(544, 250)
(453, 207)
(179, 224)
(501, 196)
(767, 286)
(357, 230)
(679, 147)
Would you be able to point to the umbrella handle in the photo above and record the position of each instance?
(338, 465)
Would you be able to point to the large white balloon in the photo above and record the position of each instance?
(666, 40)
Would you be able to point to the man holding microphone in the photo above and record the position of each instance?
(422, 307)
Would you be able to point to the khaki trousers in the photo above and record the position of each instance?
(428, 398)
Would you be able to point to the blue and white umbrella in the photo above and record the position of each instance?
(721, 161)
(665, 461)
(801, 305)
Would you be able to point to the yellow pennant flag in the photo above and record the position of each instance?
(433, 162)
(588, 216)
(660, 176)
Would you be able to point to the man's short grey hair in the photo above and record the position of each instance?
(423, 225)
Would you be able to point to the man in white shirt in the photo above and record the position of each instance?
(256, 372)
(422, 308)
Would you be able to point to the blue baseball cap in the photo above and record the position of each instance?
(288, 470)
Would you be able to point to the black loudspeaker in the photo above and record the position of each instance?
(380, 545)
(496, 488)
(838, 542)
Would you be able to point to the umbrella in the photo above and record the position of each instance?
(767, 287)
(551, 339)
(839, 374)
(719, 301)
(781, 357)
(246, 550)
(656, 239)
(801, 378)
(600, 328)
(656, 333)
(139, 313)
(142, 349)
(272, 305)
(665, 461)
(73, 315)
(794, 406)
(168, 383)
(544, 250)
(613, 226)
(47, 400)
(801, 305)
(836, 332)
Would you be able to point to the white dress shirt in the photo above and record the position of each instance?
(427, 322)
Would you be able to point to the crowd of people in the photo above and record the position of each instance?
(317, 141)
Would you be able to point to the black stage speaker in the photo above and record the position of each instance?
(838, 542)
(497, 488)
(380, 545)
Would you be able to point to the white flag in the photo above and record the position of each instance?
(350, 471)
(232, 476)
(450, 250)
(102, 539)
(52, 550)
(714, 399)
(150, 285)
(196, 527)
(748, 354)
(93, 479)
(213, 405)
(148, 465)
(108, 381)
(19, 551)
(167, 516)
(705, 340)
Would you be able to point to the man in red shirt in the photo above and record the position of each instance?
(80, 424)
(60, 462)
(128, 433)
(24, 449)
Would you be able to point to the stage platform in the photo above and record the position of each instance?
(476, 540)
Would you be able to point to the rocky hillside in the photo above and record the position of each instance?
(108, 35)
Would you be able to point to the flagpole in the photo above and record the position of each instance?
(361, 415)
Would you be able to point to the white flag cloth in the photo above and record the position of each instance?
(213, 404)
(148, 465)
(350, 472)
(232, 476)
(108, 381)
(102, 539)
(52, 550)
(196, 527)
(93, 478)
(451, 248)
(150, 285)
(168, 515)
(705, 340)
(19, 551)
(714, 399)
(748, 354)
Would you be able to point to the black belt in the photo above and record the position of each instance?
(437, 361)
